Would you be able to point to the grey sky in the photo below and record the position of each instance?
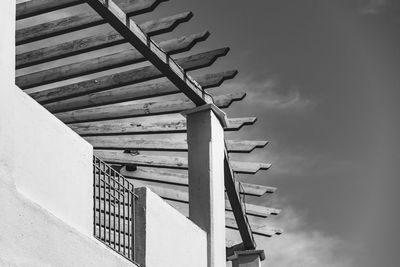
(322, 78)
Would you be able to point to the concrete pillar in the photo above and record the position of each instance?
(247, 258)
(205, 137)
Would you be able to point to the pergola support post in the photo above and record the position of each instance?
(205, 137)
(247, 258)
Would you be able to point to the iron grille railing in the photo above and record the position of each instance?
(114, 209)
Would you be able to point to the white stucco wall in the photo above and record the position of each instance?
(32, 237)
(52, 165)
(170, 238)
(48, 162)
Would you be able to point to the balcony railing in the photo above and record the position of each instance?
(114, 209)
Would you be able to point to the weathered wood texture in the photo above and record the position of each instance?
(239, 211)
(126, 77)
(77, 22)
(95, 42)
(178, 143)
(169, 176)
(103, 63)
(147, 125)
(118, 226)
(134, 92)
(257, 227)
(36, 7)
(255, 211)
(130, 110)
(119, 157)
(182, 196)
(143, 43)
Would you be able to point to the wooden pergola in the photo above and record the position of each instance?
(121, 113)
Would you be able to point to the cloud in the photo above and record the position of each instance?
(302, 247)
(272, 94)
(372, 7)
(299, 247)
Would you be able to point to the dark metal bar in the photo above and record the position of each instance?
(117, 190)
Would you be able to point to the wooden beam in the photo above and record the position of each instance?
(178, 143)
(95, 42)
(182, 206)
(119, 157)
(164, 63)
(78, 22)
(168, 176)
(124, 94)
(131, 110)
(182, 196)
(103, 63)
(146, 125)
(239, 211)
(125, 78)
(36, 7)
(256, 228)
(260, 229)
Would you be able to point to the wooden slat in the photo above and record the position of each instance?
(146, 125)
(125, 78)
(183, 206)
(135, 92)
(119, 157)
(168, 176)
(256, 228)
(179, 196)
(239, 211)
(130, 110)
(102, 63)
(95, 42)
(178, 143)
(78, 22)
(138, 39)
(183, 197)
(36, 7)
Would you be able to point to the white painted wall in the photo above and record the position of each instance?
(170, 238)
(45, 179)
(32, 237)
(48, 162)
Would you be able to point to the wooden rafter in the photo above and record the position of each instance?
(168, 176)
(136, 158)
(32, 8)
(135, 92)
(122, 78)
(102, 63)
(178, 143)
(131, 110)
(95, 42)
(164, 63)
(76, 22)
(147, 125)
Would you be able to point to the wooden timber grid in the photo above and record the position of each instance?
(118, 111)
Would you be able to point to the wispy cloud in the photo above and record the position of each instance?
(301, 247)
(372, 7)
(272, 94)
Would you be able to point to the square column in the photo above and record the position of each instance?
(206, 146)
(247, 258)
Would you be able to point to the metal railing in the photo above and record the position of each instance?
(114, 209)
